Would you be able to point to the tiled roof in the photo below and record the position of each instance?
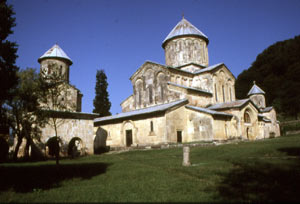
(184, 28)
(232, 104)
(207, 69)
(153, 109)
(255, 90)
(190, 88)
(267, 109)
(55, 52)
(205, 110)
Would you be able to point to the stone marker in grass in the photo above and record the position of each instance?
(186, 156)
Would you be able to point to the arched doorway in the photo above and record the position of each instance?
(75, 147)
(53, 145)
(129, 132)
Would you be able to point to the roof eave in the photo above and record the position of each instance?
(184, 35)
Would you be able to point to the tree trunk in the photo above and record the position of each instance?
(57, 152)
(15, 156)
(26, 152)
(57, 147)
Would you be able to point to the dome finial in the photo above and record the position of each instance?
(182, 15)
(254, 82)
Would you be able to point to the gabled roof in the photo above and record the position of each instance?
(191, 88)
(228, 105)
(143, 65)
(55, 52)
(208, 111)
(144, 111)
(255, 90)
(184, 28)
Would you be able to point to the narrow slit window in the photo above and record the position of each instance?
(151, 126)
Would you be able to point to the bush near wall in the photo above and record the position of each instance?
(288, 126)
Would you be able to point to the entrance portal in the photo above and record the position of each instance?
(128, 138)
(179, 136)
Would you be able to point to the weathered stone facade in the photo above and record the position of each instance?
(187, 100)
(70, 126)
(70, 122)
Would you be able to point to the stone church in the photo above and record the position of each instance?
(187, 100)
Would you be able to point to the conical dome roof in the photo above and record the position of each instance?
(184, 28)
(55, 52)
(255, 90)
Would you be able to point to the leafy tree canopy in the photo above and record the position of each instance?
(277, 71)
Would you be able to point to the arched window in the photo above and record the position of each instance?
(139, 97)
(216, 94)
(247, 117)
(150, 94)
(223, 92)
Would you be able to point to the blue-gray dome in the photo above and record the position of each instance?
(55, 52)
(184, 28)
(255, 90)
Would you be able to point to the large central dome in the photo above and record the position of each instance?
(186, 45)
(184, 28)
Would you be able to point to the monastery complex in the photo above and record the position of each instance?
(185, 100)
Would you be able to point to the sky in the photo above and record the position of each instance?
(120, 35)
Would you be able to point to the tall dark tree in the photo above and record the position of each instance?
(101, 101)
(277, 71)
(8, 56)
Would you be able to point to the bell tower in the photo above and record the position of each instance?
(55, 59)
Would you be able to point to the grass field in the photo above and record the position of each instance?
(265, 171)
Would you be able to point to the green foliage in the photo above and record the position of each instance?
(101, 101)
(8, 56)
(277, 71)
(289, 126)
(253, 172)
(25, 116)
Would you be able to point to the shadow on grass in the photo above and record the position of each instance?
(263, 181)
(29, 178)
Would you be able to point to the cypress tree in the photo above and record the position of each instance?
(8, 56)
(101, 101)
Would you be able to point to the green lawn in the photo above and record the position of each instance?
(263, 171)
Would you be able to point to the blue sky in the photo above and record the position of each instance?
(120, 35)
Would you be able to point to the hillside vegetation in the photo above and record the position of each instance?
(277, 71)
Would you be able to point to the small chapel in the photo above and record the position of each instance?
(187, 100)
